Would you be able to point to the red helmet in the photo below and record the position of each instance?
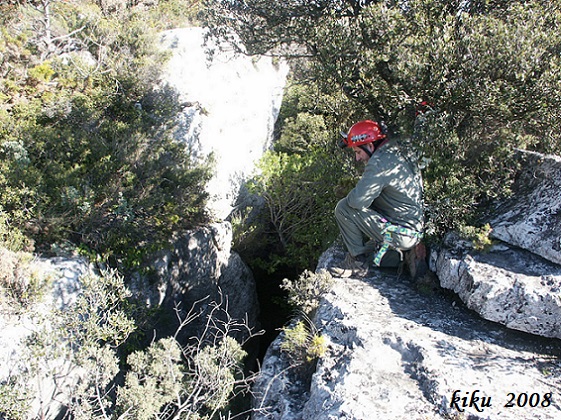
(423, 107)
(363, 132)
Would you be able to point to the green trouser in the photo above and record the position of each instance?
(356, 224)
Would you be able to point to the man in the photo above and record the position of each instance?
(384, 211)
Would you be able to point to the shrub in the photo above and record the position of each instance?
(86, 148)
(155, 378)
(306, 292)
(77, 357)
(73, 356)
(21, 282)
(298, 193)
(11, 237)
(479, 237)
(42, 72)
(14, 400)
(302, 343)
(194, 380)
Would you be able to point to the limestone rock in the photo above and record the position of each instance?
(531, 219)
(231, 105)
(518, 281)
(396, 353)
(506, 285)
(201, 268)
(279, 392)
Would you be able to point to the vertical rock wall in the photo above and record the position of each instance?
(231, 105)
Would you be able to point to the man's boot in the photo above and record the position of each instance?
(351, 267)
(415, 261)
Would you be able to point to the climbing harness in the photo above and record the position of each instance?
(389, 230)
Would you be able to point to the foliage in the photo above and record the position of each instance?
(88, 160)
(21, 282)
(13, 401)
(295, 196)
(197, 380)
(490, 70)
(154, 379)
(86, 147)
(73, 355)
(12, 238)
(75, 359)
(300, 181)
(100, 314)
(306, 292)
(172, 14)
(216, 369)
(302, 343)
(479, 237)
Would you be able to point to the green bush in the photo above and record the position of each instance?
(301, 181)
(86, 148)
(479, 237)
(11, 237)
(195, 380)
(155, 378)
(302, 343)
(299, 201)
(22, 282)
(80, 349)
(73, 356)
(42, 72)
(305, 293)
(14, 401)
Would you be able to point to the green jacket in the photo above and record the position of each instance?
(392, 186)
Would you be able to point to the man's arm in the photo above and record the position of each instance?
(368, 187)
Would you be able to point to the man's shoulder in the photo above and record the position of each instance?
(394, 145)
(398, 150)
(389, 151)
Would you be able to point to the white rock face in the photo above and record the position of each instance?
(532, 218)
(233, 103)
(510, 286)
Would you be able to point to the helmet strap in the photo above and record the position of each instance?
(366, 150)
(379, 143)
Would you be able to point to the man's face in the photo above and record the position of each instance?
(361, 155)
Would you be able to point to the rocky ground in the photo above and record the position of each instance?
(397, 351)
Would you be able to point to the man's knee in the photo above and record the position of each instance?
(341, 207)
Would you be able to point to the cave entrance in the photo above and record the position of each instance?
(274, 311)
